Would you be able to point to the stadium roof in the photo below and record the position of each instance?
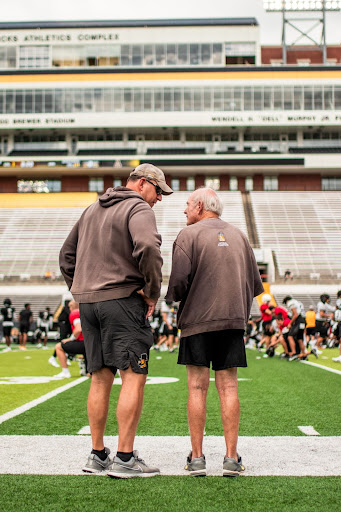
(17, 25)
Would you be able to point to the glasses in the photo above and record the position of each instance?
(158, 190)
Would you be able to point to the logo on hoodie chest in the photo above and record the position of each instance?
(222, 240)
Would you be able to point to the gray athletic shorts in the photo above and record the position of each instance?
(116, 334)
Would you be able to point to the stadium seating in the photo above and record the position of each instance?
(303, 229)
(33, 228)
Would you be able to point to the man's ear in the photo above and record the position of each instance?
(200, 206)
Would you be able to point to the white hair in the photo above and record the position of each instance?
(209, 199)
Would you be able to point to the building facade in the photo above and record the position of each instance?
(82, 103)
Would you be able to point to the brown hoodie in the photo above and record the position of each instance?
(214, 275)
(113, 250)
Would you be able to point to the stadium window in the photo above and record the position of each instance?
(190, 184)
(217, 53)
(148, 55)
(240, 53)
(96, 185)
(182, 54)
(331, 183)
(233, 183)
(249, 183)
(38, 186)
(206, 56)
(337, 98)
(54, 185)
(171, 55)
(270, 183)
(34, 56)
(175, 184)
(117, 182)
(160, 54)
(8, 57)
(212, 182)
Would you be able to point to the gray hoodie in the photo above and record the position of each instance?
(113, 250)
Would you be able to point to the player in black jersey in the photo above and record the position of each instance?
(7, 314)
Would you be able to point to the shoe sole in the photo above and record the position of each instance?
(199, 472)
(94, 471)
(227, 472)
(134, 475)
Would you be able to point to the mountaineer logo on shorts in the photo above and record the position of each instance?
(222, 240)
(142, 362)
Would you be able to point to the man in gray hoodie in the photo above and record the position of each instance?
(111, 262)
(215, 276)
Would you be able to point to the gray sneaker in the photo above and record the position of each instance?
(233, 468)
(135, 467)
(197, 466)
(95, 464)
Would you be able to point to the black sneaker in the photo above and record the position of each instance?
(314, 351)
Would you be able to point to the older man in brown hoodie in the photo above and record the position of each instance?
(215, 276)
(111, 262)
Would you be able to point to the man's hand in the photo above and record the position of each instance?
(150, 303)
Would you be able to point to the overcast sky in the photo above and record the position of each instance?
(57, 10)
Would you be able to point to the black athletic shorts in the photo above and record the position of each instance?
(297, 329)
(7, 329)
(24, 328)
(225, 349)
(310, 331)
(267, 328)
(117, 334)
(175, 331)
(73, 347)
(322, 328)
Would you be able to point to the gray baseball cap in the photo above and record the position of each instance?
(149, 171)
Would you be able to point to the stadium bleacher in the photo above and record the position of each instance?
(303, 229)
(32, 230)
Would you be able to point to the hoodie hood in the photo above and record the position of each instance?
(116, 195)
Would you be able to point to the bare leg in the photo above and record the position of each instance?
(198, 381)
(98, 405)
(24, 340)
(61, 355)
(292, 345)
(129, 408)
(227, 386)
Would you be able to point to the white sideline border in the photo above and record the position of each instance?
(332, 370)
(26, 407)
(262, 456)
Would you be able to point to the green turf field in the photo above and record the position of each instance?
(276, 397)
(166, 494)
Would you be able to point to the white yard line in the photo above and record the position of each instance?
(308, 430)
(40, 400)
(322, 367)
(262, 456)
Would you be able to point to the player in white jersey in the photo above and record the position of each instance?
(324, 314)
(337, 318)
(296, 328)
